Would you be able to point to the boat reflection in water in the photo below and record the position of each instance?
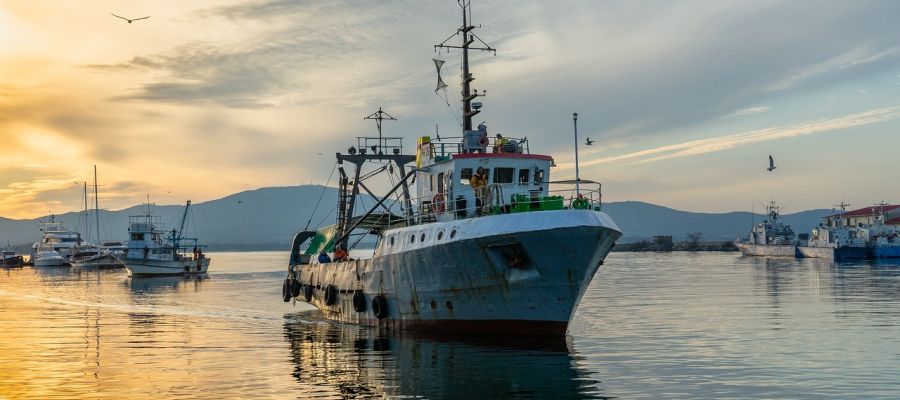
(169, 283)
(333, 359)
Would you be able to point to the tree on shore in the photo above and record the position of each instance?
(693, 241)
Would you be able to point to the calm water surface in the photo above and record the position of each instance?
(676, 325)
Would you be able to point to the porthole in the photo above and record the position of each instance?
(422, 238)
(412, 238)
(433, 305)
(440, 235)
(453, 234)
(449, 305)
(392, 240)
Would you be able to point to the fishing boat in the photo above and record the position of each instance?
(866, 233)
(153, 250)
(494, 252)
(56, 245)
(769, 238)
(9, 258)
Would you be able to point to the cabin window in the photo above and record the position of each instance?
(440, 182)
(137, 236)
(431, 182)
(465, 175)
(523, 176)
(538, 176)
(504, 175)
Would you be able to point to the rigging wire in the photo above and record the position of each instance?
(334, 168)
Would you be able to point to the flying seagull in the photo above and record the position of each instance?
(771, 164)
(588, 141)
(130, 20)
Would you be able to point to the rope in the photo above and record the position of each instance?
(316, 208)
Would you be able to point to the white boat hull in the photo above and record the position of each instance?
(147, 267)
(57, 261)
(470, 283)
(104, 261)
(767, 250)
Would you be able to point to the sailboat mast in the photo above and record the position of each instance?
(96, 205)
(87, 228)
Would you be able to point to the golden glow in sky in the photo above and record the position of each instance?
(208, 97)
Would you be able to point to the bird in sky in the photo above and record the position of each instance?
(771, 164)
(130, 20)
(588, 141)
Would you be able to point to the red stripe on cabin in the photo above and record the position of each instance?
(503, 155)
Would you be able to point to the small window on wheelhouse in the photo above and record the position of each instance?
(538, 176)
(440, 182)
(137, 236)
(465, 175)
(523, 176)
(431, 182)
(504, 175)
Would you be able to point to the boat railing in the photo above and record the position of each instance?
(443, 148)
(494, 199)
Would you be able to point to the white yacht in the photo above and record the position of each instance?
(153, 250)
(56, 245)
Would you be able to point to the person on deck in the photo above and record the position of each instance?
(499, 143)
(323, 258)
(479, 184)
(340, 254)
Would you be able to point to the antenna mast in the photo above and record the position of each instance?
(468, 94)
(379, 116)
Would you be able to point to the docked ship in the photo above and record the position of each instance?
(9, 258)
(478, 245)
(56, 245)
(769, 238)
(866, 233)
(153, 250)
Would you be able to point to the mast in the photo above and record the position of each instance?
(87, 228)
(96, 205)
(183, 219)
(468, 94)
(577, 177)
(379, 116)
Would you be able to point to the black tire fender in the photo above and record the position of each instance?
(380, 306)
(359, 301)
(331, 295)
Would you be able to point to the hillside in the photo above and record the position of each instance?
(267, 218)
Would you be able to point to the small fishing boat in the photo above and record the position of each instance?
(9, 258)
(769, 238)
(153, 250)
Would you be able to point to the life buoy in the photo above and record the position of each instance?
(359, 301)
(307, 293)
(285, 291)
(331, 295)
(380, 307)
(295, 288)
(437, 204)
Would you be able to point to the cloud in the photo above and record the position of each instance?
(703, 146)
(748, 111)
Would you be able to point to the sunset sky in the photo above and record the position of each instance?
(685, 99)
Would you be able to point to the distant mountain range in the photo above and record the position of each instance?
(267, 218)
